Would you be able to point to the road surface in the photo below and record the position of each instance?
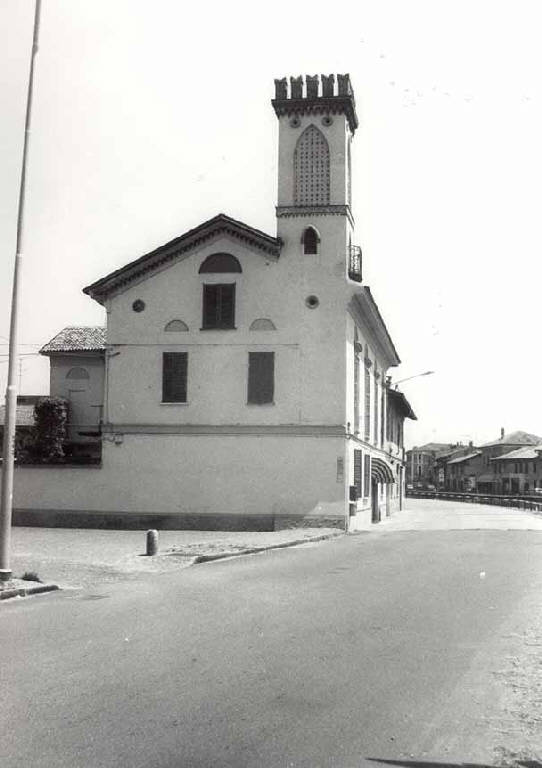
(408, 645)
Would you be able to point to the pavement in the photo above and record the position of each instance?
(80, 558)
(413, 647)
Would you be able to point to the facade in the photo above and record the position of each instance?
(422, 469)
(244, 382)
(509, 465)
(489, 479)
(519, 471)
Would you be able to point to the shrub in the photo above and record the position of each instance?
(51, 421)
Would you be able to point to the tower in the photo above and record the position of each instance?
(317, 121)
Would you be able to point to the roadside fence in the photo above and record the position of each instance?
(518, 502)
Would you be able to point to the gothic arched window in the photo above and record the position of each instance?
(310, 240)
(220, 262)
(311, 168)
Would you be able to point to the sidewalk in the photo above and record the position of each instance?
(441, 515)
(76, 558)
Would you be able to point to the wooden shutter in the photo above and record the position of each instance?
(174, 370)
(358, 472)
(219, 306)
(226, 306)
(366, 475)
(209, 306)
(261, 377)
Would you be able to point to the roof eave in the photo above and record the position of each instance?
(369, 308)
(116, 280)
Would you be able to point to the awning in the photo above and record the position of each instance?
(381, 471)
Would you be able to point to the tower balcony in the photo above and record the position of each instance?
(354, 263)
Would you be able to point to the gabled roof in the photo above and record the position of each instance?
(218, 225)
(76, 338)
(515, 438)
(402, 404)
(460, 459)
(533, 452)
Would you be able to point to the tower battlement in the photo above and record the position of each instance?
(316, 94)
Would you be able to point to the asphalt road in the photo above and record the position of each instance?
(387, 646)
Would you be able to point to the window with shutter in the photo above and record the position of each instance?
(219, 306)
(261, 377)
(358, 479)
(174, 376)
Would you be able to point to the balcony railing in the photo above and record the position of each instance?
(354, 263)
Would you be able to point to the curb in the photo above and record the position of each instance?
(255, 550)
(25, 591)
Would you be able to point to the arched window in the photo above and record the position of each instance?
(310, 240)
(77, 373)
(174, 326)
(262, 324)
(220, 263)
(311, 168)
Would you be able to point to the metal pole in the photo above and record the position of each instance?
(11, 391)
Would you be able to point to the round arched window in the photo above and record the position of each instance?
(220, 263)
(77, 373)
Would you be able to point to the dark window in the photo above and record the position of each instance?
(220, 262)
(261, 377)
(358, 479)
(219, 306)
(310, 241)
(174, 374)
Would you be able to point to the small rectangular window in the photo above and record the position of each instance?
(174, 376)
(219, 306)
(261, 377)
(358, 479)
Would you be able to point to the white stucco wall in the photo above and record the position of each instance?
(308, 343)
(248, 475)
(86, 396)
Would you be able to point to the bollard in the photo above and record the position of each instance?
(152, 543)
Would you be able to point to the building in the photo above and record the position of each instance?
(24, 421)
(489, 480)
(244, 380)
(519, 471)
(422, 463)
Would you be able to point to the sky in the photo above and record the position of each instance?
(151, 117)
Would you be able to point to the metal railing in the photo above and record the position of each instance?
(354, 263)
(517, 502)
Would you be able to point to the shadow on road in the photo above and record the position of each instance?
(425, 764)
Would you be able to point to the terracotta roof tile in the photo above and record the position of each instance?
(76, 339)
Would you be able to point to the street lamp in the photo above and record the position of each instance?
(425, 373)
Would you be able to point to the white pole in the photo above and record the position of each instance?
(11, 391)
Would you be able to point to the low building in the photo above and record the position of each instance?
(422, 469)
(519, 471)
(462, 471)
(488, 481)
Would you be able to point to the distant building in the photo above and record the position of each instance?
(488, 480)
(24, 418)
(519, 471)
(421, 463)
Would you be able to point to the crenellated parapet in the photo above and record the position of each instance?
(316, 95)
